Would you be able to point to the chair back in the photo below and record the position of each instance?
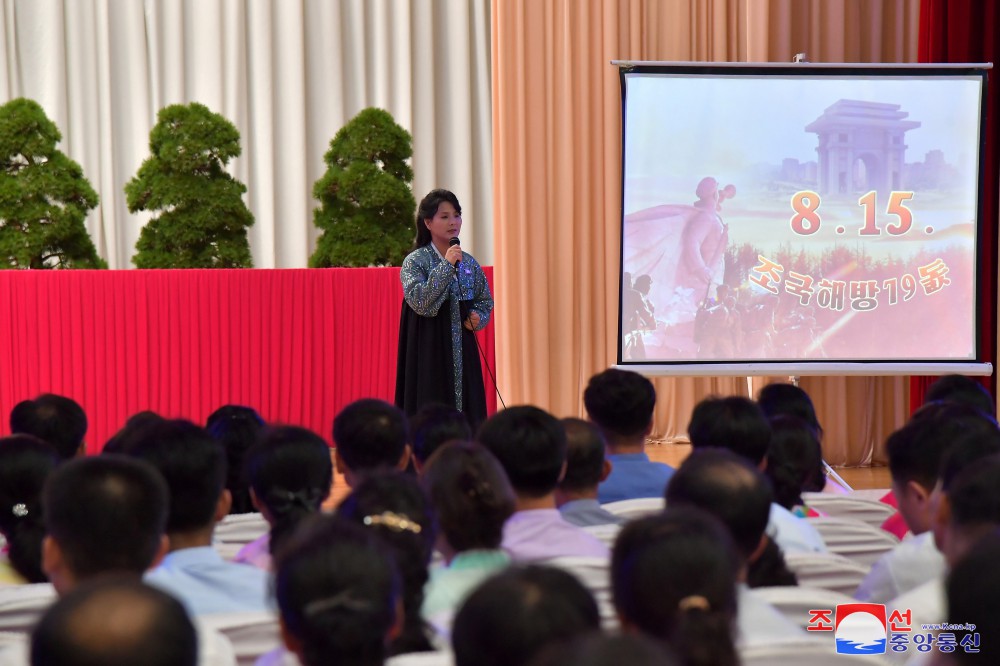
(868, 511)
(252, 633)
(635, 508)
(594, 573)
(795, 602)
(241, 528)
(813, 653)
(854, 539)
(827, 571)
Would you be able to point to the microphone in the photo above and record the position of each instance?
(451, 243)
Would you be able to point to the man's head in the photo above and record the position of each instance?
(729, 488)
(971, 592)
(433, 425)
(194, 467)
(103, 514)
(55, 419)
(733, 423)
(620, 403)
(530, 444)
(585, 463)
(963, 390)
(117, 621)
(972, 508)
(369, 435)
(917, 449)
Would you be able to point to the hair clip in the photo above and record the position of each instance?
(20, 510)
(344, 600)
(695, 601)
(393, 521)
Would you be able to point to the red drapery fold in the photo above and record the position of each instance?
(966, 32)
(297, 345)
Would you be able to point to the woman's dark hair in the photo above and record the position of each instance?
(290, 472)
(514, 615)
(673, 576)
(236, 428)
(794, 460)
(133, 431)
(25, 464)
(970, 589)
(605, 650)
(427, 209)
(780, 399)
(337, 590)
(394, 506)
(470, 494)
(770, 568)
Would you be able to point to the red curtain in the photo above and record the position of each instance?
(297, 345)
(966, 32)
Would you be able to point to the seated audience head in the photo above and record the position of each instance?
(433, 425)
(917, 449)
(517, 613)
(586, 466)
(729, 488)
(471, 495)
(733, 423)
(794, 461)
(194, 467)
(369, 435)
(620, 403)
(236, 428)
(338, 594)
(58, 420)
(972, 508)
(133, 431)
(117, 621)
(394, 507)
(607, 650)
(962, 390)
(530, 444)
(673, 577)
(290, 473)
(25, 464)
(780, 399)
(971, 591)
(103, 514)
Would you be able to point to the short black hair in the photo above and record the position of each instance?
(512, 616)
(967, 450)
(236, 428)
(974, 496)
(471, 494)
(370, 434)
(58, 420)
(917, 449)
(963, 390)
(794, 460)
(194, 467)
(117, 621)
(733, 423)
(290, 471)
(584, 455)
(337, 588)
(530, 443)
(620, 402)
(433, 425)
(779, 399)
(970, 589)
(25, 463)
(107, 513)
(729, 488)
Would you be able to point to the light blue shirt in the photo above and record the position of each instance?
(633, 475)
(588, 513)
(206, 583)
(450, 585)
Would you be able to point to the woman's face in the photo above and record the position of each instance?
(445, 225)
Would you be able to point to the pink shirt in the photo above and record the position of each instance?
(256, 553)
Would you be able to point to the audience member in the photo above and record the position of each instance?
(339, 594)
(739, 425)
(620, 403)
(915, 454)
(433, 425)
(605, 650)
(971, 590)
(673, 577)
(473, 500)
(963, 390)
(369, 435)
(530, 444)
(794, 464)
(58, 420)
(586, 467)
(395, 508)
(780, 399)
(290, 472)
(733, 491)
(194, 467)
(25, 464)
(116, 621)
(514, 615)
(236, 428)
(133, 431)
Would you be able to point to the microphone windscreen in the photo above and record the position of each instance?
(454, 241)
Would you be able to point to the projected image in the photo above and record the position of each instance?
(782, 218)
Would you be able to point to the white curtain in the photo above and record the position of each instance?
(287, 73)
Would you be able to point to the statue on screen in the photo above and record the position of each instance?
(681, 249)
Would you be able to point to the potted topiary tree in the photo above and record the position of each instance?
(44, 196)
(203, 220)
(366, 206)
